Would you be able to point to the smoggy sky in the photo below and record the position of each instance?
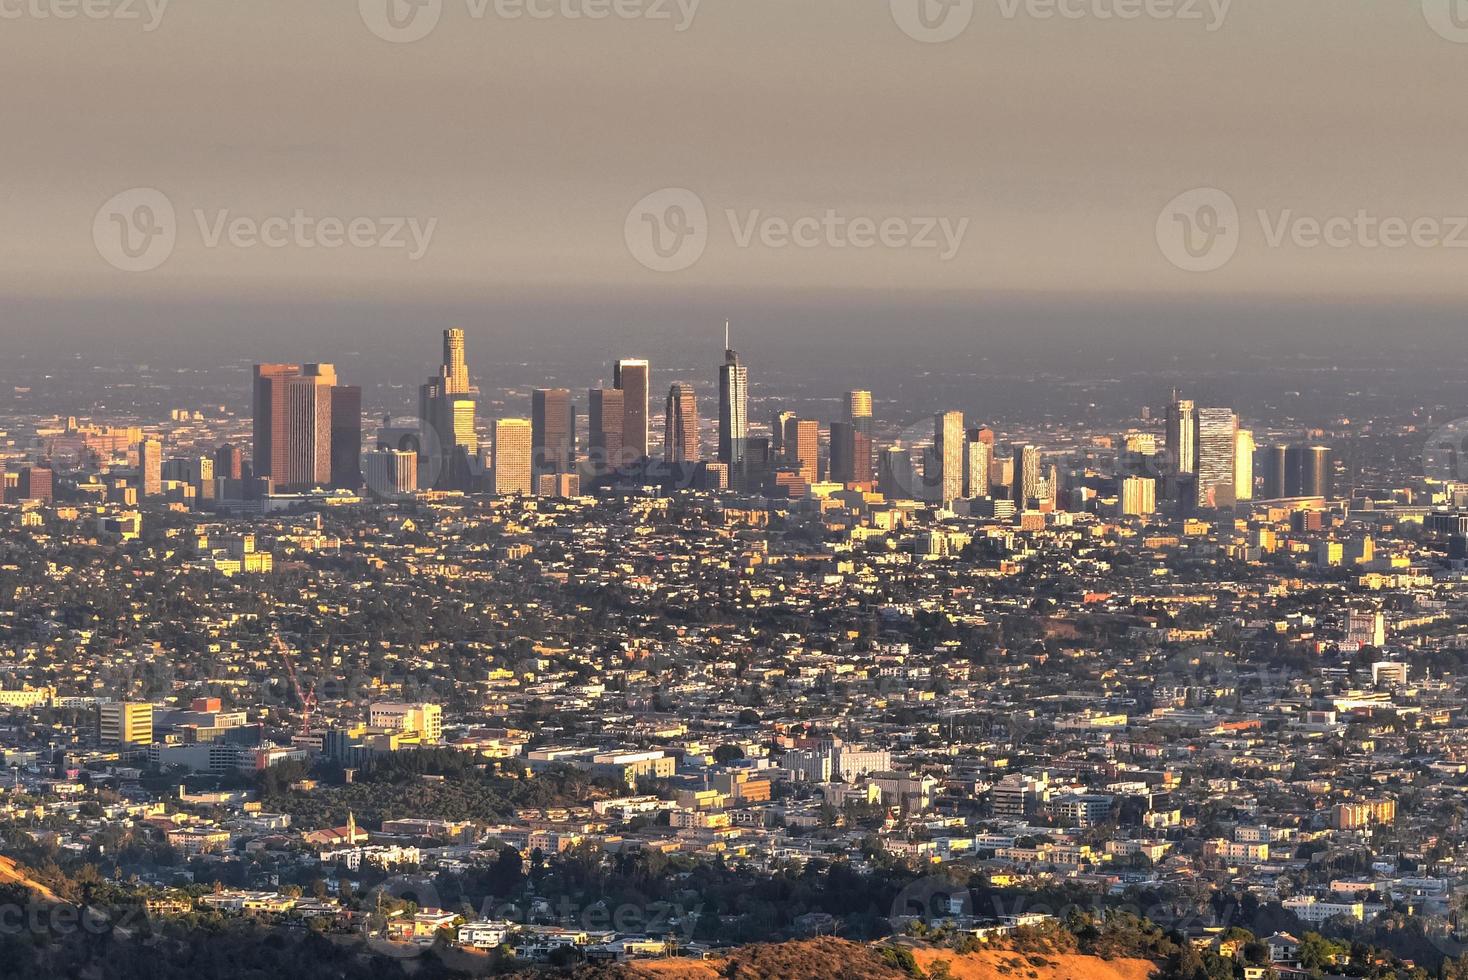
(1031, 152)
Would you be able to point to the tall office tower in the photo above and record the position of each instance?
(455, 364)
(859, 410)
(513, 452)
(733, 412)
(346, 437)
(605, 439)
(1311, 471)
(553, 429)
(1216, 443)
(1244, 466)
(1026, 476)
(229, 462)
(1276, 467)
(680, 425)
(293, 422)
(851, 454)
(448, 405)
(125, 723)
(199, 471)
(803, 447)
(633, 377)
(948, 441)
(978, 462)
(894, 475)
(391, 472)
(1138, 496)
(150, 468)
(1181, 431)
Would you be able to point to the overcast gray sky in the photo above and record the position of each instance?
(1053, 143)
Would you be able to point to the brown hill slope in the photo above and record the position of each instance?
(836, 959)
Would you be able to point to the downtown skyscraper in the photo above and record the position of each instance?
(553, 428)
(946, 485)
(733, 413)
(606, 421)
(296, 430)
(680, 425)
(1216, 442)
(512, 468)
(1026, 476)
(1181, 432)
(447, 404)
(633, 377)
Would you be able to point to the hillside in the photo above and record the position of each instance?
(836, 959)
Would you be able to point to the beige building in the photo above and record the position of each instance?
(126, 723)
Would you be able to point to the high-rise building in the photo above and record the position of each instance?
(803, 448)
(229, 463)
(680, 425)
(1216, 442)
(948, 449)
(293, 424)
(1308, 471)
(851, 454)
(150, 468)
(1276, 468)
(391, 472)
(125, 723)
(633, 377)
(982, 434)
(1244, 466)
(978, 462)
(448, 405)
(346, 437)
(1138, 496)
(607, 416)
(553, 426)
(733, 413)
(1026, 476)
(1315, 472)
(1181, 431)
(513, 451)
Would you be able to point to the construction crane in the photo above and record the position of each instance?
(308, 698)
